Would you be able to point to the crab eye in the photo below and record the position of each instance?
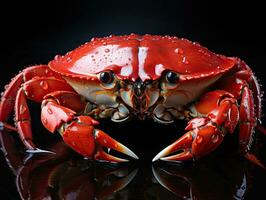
(106, 77)
(172, 77)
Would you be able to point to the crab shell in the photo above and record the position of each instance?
(134, 57)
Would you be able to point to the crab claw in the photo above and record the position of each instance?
(182, 144)
(193, 145)
(105, 140)
(82, 137)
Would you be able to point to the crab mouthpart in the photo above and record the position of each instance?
(139, 88)
(106, 141)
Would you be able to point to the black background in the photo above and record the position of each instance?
(33, 33)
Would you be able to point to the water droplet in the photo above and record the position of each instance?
(44, 85)
(56, 57)
(92, 39)
(178, 51)
(49, 110)
(69, 59)
(199, 139)
(107, 50)
(44, 121)
(185, 60)
(215, 138)
(22, 109)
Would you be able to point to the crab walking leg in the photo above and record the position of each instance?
(238, 102)
(250, 106)
(7, 102)
(34, 89)
(79, 132)
(205, 133)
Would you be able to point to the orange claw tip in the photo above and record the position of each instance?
(106, 141)
(163, 153)
(105, 157)
(186, 155)
(182, 143)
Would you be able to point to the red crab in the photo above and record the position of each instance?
(120, 77)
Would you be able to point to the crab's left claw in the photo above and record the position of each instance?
(105, 140)
(84, 138)
(79, 133)
(194, 144)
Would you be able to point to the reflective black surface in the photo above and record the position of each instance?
(34, 32)
(66, 175)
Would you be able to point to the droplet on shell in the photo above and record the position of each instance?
(107, 50)
(22, 109)
(44, 121)
(49, 110)
(178, 51)
(44, 85)
(199, 139)
(185, 60)
(215, 138)
(56, 57)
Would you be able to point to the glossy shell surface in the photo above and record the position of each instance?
(145, 57)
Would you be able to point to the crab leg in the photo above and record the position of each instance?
(205, 134)
(79, 132)
(8, 97)
(34, 89)
(219, 112)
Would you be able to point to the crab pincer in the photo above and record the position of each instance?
(194, 144)
(90, 142)
(79, 133)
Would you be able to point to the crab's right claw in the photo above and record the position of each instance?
(182, 147)
(82, 137)
(193, 145)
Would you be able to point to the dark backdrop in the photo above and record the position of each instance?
(33, 33)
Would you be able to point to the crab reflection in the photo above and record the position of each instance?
(44, 178)
(64, 175)
(224, 179)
